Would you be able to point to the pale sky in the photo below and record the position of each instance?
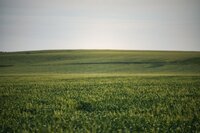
(99, 24)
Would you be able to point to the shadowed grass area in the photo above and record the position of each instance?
(6, 65)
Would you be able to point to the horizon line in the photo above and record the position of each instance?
(99, 50)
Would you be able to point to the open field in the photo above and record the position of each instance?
(100, 91)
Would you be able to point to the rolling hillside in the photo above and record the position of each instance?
(99, 91)
(100, 61)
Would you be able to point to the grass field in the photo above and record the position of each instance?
(100, 91)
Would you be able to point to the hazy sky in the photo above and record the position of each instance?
(99, 24)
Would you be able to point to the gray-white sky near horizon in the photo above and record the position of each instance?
(99, 24)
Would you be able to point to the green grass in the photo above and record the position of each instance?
(100, 91)
(99, 62)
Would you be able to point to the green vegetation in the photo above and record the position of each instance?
(100, 91)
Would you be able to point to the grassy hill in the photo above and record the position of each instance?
(100, 61)
(100, 91)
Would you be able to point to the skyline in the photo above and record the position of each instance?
(94, 24)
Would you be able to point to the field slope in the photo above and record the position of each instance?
(100, 91)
